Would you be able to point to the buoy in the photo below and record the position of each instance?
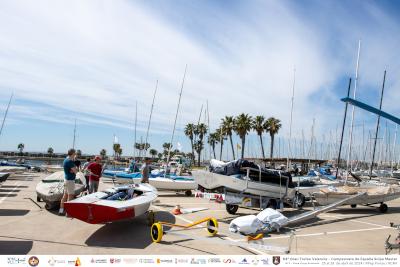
(177, 210)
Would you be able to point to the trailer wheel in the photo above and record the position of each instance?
(38, 199)
(49, 206)
(188, 193)
(231, 209)
(156, 232)
(299, 200)
(383, 208)
(214, 224)
(353, 206)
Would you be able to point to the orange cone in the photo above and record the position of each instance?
(177, 210)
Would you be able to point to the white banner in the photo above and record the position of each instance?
(191, 260)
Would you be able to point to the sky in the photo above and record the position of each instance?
(94, 60)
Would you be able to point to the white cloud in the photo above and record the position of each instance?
(96, 58)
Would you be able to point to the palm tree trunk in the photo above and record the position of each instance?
(233, 150)
(191, 142)
(262, 147)
(213, 147)
(272, 146)
(198, 158)
(243, 143)
(220, 152)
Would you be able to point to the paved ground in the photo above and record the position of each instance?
(26, 227)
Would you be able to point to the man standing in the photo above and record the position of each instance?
(85, 170)
(145, 171)
(95, 170)
(69, 179)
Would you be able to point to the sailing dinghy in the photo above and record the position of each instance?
(51, 188)
(118, 203)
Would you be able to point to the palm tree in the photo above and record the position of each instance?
(50, 151)
(198, 146)
(21, 147)
(213, 140)
(272, 126)
(167, 147)
(189, 132)
(201, 131)
(242, 127)
(116, 148)
(78, 153)
(228, 125)
(153, 152)
(258, 126)
(220, 137)
(160, 156)
(103, 153)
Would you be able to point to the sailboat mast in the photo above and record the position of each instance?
(377, 126)
(148, 124)
(134, 144)
(349, 164)
(343, 126)
(176, 115)
(209, 130)
(5, 114)
(394, 149)
(73, 142)
(289, 154)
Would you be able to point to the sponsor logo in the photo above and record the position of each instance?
(244, 261)
(33, 261)
(77, 262)
(228, 261)
(130, 260)
(194, 261)
(276, 260)
(51, 261)
(265, 261)
(214, 260)
(165, 261)
(98, 261)
(181, 261)
(115, 260)
(146, 261)
(16, 260)
(255, 261)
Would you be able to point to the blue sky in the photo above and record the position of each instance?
(92, 60)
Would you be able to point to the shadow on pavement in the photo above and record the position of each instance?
(127, 234)
(8, 195)
(9, 190)
(15, 247)
(12, 212)
(14, 186)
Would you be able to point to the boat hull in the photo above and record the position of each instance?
(174, 183)
(371, 197)
(211, 181)
(95, 209)
(51, 188)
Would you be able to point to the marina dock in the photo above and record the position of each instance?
(28, 228)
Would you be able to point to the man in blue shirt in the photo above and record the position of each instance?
(70, 171)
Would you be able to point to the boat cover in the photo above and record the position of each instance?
(265, 220)
(239, 167)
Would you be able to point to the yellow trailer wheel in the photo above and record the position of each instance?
(212, 226)
(156, 232)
